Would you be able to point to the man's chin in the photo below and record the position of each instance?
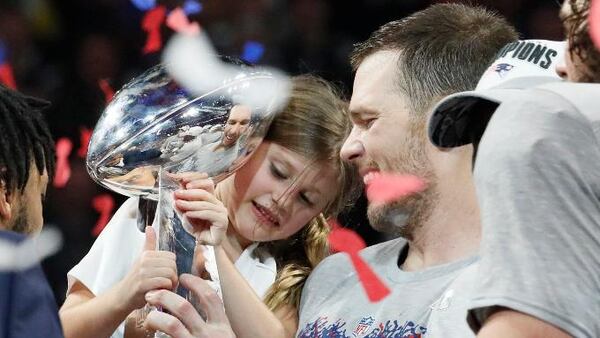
(390, 218)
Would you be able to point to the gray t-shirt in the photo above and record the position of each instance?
(537, 176)
(428, 303)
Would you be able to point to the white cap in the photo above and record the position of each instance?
(461, 118)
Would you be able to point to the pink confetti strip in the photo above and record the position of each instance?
(179, 22)
(348, 241)
(384, 188)
(63, 170)
(106, 89)
(84, 140)
(104, 204)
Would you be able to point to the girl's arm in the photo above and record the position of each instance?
(248, 314)
(87, 315)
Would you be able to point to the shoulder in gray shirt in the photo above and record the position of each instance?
(428, 303)
(537, 176)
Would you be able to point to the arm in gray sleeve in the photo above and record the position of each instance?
(537, 176)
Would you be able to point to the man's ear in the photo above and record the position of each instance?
(6, 201)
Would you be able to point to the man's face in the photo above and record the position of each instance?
(236, 125)
(573, 70)
(386, 138)
(26, 206)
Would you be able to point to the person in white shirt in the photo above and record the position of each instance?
(273, 209)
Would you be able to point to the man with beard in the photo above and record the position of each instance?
(27, 305)
(236, 125)
(537, 174)
(402, 70)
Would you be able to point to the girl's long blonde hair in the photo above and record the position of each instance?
(314, 124)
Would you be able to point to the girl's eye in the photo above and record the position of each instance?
(277, 173)
(305, 199)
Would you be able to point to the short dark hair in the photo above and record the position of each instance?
(24, 138)
(580, 42)
(443, 49)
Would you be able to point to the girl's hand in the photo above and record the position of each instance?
(153, 270)
(201, 208)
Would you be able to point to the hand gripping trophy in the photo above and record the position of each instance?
(154, 127)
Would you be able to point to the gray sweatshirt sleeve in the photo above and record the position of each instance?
(537, 176)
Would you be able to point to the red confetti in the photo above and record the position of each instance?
(104, 205)
(178, 21)
(106, 89)
(63, 170)
(7, 77)
(84, 140)
(151, 23)
(333, 223)
(348, 241)
(385, 188)
(594, 22)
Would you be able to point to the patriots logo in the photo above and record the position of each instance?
(503, 68)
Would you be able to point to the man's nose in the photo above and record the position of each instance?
(561, 70)
(352, 147)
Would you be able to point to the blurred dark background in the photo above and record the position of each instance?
(59, 50)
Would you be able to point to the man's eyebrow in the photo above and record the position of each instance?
(359, 112)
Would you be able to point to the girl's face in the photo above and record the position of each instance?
(275, 194)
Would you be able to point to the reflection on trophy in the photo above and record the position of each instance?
(153, 127)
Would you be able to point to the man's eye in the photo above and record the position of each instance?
(369, 122)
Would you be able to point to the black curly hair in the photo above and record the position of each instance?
(24, 138)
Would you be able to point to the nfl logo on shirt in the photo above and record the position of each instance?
(363, 326)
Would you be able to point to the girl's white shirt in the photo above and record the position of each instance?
(119, 245)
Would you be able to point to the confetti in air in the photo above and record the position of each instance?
(191, 7)
(192, 61)
(63, 170)
(151, 23)
(253, 51)
(144, 5)
(179, 22)
(348, 241)
(594, 22)
(6, 76)
(6, 73)
(84, 140)
(106, 89)
(28, 253)
(385, 188)
(104, 205)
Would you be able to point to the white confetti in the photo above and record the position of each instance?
(193, 62)
(31, 251)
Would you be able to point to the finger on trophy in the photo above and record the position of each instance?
(188, 176)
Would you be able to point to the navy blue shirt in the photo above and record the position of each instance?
(27, 305)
